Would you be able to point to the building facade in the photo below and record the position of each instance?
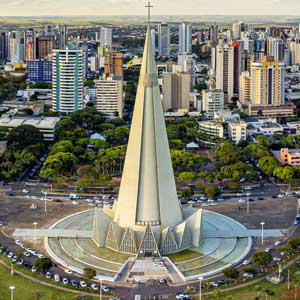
(212, 101)
(163, 40)
(185, 38)
(67, 80)
(39, 70)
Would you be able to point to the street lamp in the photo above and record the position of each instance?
(45, 202)
(262, 232)
(12, 292)
(248, 203)
(200, 288)
(34, 224)
(100, 289)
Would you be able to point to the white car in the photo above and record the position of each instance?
(94, 286)
(65, 280)
(83, 284)
(241, 200)
(33, 269)
(20, 261)
(18, 242)
(277, 259)
(68, 271)
(162, 280)
(214, 284)
(75, 202)
(25, 191)
(246, 262)
(268, 250)
(277, 243)
(40, 255)
(48, 275)
(280, 196)
(27, 254)
(248, 275)
(10, 255)
(14, 258)
(105, 288)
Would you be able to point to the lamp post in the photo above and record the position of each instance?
(12, 292)
(34, 224)
(248, 203)
(100, 289)
(45, 202)
(200, 288)
(262, 232)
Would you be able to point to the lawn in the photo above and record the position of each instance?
(184, 255)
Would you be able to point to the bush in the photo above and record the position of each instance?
(43, 264)
(231, 272)
(89, 273)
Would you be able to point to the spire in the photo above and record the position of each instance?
(149, 6)
(148, 192)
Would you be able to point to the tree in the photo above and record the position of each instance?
(211, 191)
(249, 269)
(187, 176)
(89, 273)
(268, 164)
(23, 136)
(228, 153)
(186, 193)
(43, 264)
(294, 243)
(231, 272)
(262, 259)
(284, 173)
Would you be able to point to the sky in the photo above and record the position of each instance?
(136, 7)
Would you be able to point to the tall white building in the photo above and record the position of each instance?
(225, 69)
(267, 82)
(237, 29)
(294, 48)
(16, 47)
(67, 80)
(185, 38)
(212, 101)
(62, 37)
(106, 36)
(109, 96)
(186, 64)
(275, 48)
(237, 131)
(163, 40)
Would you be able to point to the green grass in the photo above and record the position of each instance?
(26, 289)
(184, 255)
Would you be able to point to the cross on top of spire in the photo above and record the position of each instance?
(149, 6)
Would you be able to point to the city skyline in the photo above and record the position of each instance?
(133, 7)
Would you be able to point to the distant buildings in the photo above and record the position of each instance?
(176, 91)
(212, 129)
(245, 88)
(67, 80)
(109, 97)
(163, 40)
(16, 47)
(30, 44)
(62, 37)
(289, 157)
(185, 38)
(39, 70)
(4, 45)
(237, 29)
(45, 45)
(113, 64)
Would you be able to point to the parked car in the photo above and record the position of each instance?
(65, 280)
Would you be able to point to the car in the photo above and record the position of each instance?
(34, 252)
(25, 191)
(74, 283)
(26, 265)
(181, 296)
(48, 275)
(56, 278)
(94, 287)
(33, 269)
(18, 242)
(221, 282)
(277, 243)
(83, 284)
(248, 275)
(241, 200)
(1, 224)
(22, 245)
(10, 255)
(27, 254)
(68, 271)
(247, 188)
(14, 258)
(65, 280)
(260, 198)
(20, 261)
(105, 288)
(213, 284)
(40, 255)
(246, 262)
(162, 280)
(268, 250)
(277, 259)
(75, 202)
(280, 196)
(296, 222)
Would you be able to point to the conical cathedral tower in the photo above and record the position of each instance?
(147, 219)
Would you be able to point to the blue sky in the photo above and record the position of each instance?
(136, 7)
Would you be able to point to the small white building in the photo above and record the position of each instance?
(212, 101)
(237, 131)
(212, 129)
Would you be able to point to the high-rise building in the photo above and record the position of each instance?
(39, 70)
(237, 131)
(61, 37)
(185, 38)
(113, 64)
(275, 48)
(106, 36)
(213, 34)
(45, 45)
(49, 29)
(16, 46)
(176, 91)
(245, 87)
(212, 101)
(30, 44)
(236, 67)
(3, 45)
(109, 95)
(186, 64)
(237, 29)
(163, 40)
(294, 48)
(267, 82)
(225, 69)
(67, 80)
